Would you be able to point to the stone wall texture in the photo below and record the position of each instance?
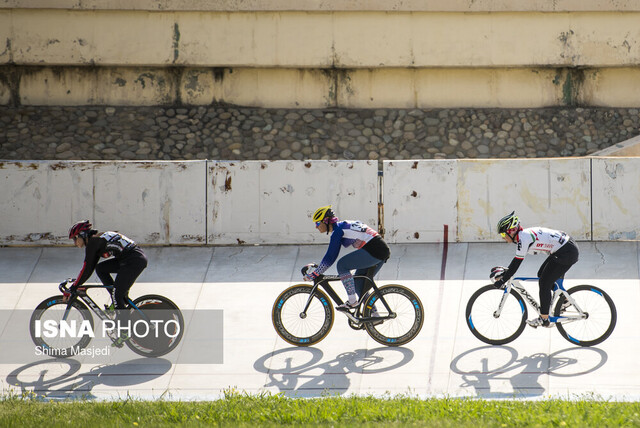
(224, 132)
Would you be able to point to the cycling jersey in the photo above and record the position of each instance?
(356, 234)
(105, 245)
(539, 239)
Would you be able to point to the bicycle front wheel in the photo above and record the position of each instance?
(601, 316)
(299, 327)
(484, 321)
(405, 311)
(48, 322)
(158, 326)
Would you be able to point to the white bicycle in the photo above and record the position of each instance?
(584, 315)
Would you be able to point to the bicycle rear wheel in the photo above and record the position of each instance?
(53, 312)
(483, 322)
(162, 326)
(599, 324)
(406, 310)
(296, 327)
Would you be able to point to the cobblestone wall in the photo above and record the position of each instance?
(238, 133)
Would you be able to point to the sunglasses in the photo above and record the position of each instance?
(318, 223)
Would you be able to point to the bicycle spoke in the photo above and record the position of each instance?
(600, 319)
(296, 327)
(482, 317)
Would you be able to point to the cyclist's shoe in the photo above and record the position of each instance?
(540, 322)
(347, 307)
(110, 311)
(119, 342)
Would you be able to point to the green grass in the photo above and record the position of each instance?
(275, 410)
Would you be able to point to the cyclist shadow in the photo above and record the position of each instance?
(299, 372)
(61, 379)
(487, 369)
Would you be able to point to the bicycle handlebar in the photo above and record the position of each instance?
(63, 285)
(319, 278)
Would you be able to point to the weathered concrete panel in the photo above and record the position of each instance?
(64, 37)
(281, 88)
(616, 198)
(543, 192)
(39, 200)
(98, 86)
(610, 87)
(272, 202)
(466, 6)
(451, 87)
(292, 39)
(420, 197)
(280, 39)
(152, 202)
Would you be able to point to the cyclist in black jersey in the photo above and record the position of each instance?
(124, 258)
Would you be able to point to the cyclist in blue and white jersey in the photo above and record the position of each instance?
(371, 251)
(562, 253)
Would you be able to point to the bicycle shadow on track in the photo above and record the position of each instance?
(299, 372)
(61, 379)
(486, 369)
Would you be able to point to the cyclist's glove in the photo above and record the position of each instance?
(310, 276)
(69, 292)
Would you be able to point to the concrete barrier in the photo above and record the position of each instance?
(154, 203)
(616, 198)
(271, 202)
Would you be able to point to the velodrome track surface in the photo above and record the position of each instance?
(444, 360)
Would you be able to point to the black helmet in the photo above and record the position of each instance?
(508, 222)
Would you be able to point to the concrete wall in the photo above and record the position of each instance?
(214, 202)
(318, 54)
(272, 202)
(155, 203)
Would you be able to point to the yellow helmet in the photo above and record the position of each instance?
(322, 213)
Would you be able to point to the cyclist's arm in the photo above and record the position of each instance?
(332, 252)
(513, 267)
(95, 247)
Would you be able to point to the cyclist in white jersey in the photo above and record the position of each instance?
(562, 253)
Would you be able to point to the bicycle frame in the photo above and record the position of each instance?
(558, 291)
(81, 293)
(324, 280)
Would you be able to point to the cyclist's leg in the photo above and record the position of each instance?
(362, 285)
(359, 259)
(129, 269)
(554, 268)
(105, 269)
(549, 273)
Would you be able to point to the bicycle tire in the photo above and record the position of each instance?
(485, 326)
(408, 310)
(53, 309)
(298, 330)
(164, 312)
(600, 323)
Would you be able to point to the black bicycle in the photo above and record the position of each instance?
(303, 314)
(157, 323)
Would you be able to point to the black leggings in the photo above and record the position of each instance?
(554, 268)
(127, 270)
